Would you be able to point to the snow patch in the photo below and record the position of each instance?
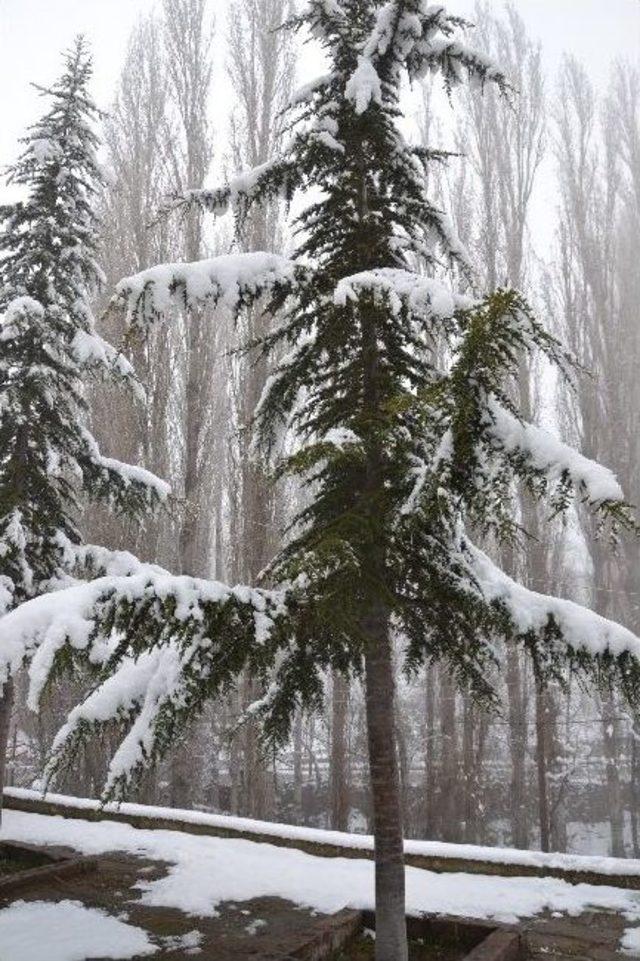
(67, 931)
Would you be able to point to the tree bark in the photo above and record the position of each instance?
(6, 705)
(474, 742)
(297, 766)
(634, 787)
(429, 752)
(339, 767)
(449, 767)
(614, 788)
(518, 749)
(391, 931)
(541, 765)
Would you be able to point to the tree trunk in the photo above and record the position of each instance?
(391, 929)
(257, 786)
(6, 705)
(634, 806)
(541, 765)
(297, 766)
(474, 739)
(518, 749)
(181, 773)
(339, 767)
(614, 788)
(429, 752)
(449, 768)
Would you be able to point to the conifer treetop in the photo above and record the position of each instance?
(50, 462)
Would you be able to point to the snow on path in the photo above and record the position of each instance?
(204, 871)
(69, 931)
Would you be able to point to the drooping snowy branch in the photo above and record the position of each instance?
(124, 487)
(574, 628)
(135, 693)
(231, 281)
(414, 36)
(93, 352)
(164, 643)
(306, 92)
(276, 179)
(548, 454)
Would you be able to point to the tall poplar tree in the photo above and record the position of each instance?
(401, 458)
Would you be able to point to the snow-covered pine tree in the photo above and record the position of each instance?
(49, 345)
(399, 457)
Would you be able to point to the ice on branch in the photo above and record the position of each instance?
(546, 453)
(230, 281)
(581, 629)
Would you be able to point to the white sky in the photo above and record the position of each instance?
(33, 32)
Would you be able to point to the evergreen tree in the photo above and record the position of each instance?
(49, 345)
(400, 458)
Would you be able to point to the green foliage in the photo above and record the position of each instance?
(399, 397)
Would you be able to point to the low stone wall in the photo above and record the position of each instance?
(57, 866)
(218, 827)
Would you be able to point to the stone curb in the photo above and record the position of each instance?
(60, 866)
(498, 946)
(440, 865)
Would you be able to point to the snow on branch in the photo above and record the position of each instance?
(165, 644)
(401, 288)
(125, 486)
(230, 281)
(557, 460)
(453, 58)
(138, 689)
(324, 17)
(95, 354)
(272, 180)
(306, 92)
(94, 560)
(364, 86)
(532, 613)
(417, 37)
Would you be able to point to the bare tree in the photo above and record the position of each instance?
(136, 133)
(598, 293)
(261, 69)
(506, 142)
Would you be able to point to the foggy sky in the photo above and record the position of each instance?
(33, 32)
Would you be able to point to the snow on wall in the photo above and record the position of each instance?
(622, 867)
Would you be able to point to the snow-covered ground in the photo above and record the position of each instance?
(205, 871)
(69, 930)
